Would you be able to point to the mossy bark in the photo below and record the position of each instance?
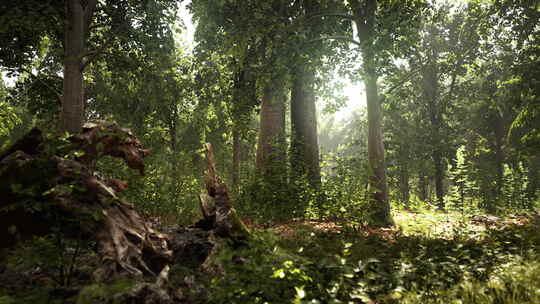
(216, 205)
(365, 17)
(47, 184)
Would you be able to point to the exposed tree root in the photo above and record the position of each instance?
(49, 184)
(216, 206)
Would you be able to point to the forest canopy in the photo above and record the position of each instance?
(426, 186)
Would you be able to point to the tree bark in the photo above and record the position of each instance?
(237, 146)
(76, 30)
(364, 16)
(404, 184)
(439, 176)
(244, 95)
(430, 88)
(377, 179)
(500, 133)
(73, 95)
(271, 145)
(304, 143)
(533, 177)
(423, 187)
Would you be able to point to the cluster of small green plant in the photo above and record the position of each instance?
(46, 269)
(163, 191)
(432, 257)
(462, 264)
(341, 196)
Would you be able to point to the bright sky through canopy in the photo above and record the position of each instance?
(353, 91)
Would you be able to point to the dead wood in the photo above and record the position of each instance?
(216, 207)
(49, 183)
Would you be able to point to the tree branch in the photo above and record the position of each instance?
(88, 14)
(399, 84)
(58, 94)
(342, 15)
(343, 38)
(403, 81)
(92, 55)
(96, 26)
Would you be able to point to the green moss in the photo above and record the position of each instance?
(240, 230)
(7, 300)
(92, 294)
(103, 293)
(121, 286)
(515, 282)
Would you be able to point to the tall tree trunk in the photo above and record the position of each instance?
(430, 76)
(377, 179)
(439, 177)
(500, 134)
(271, 150)
(304, 142)
(73, 90)
(364, 14)
(404, 184)
(244, 94)
(237, 146)
(76, 31)
(173, 134)
(423, 187)
(430, 88)
(533, 177)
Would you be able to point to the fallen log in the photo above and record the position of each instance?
(216, 207)
(49, 184)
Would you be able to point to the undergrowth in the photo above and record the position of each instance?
(430, 257)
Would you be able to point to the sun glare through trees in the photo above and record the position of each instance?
(301, 151)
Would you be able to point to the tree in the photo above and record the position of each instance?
(435, 67)
(252, 34)
(365, 18)
(401, 125)
(430, 76)
(379, 24)
(463, 185)
(244, 100)
(311, 55)
(271, 148)
(304, 141)
(77, 29)
(90, 30)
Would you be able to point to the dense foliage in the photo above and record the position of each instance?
(452, 131)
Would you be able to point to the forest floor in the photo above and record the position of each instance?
(429, 257)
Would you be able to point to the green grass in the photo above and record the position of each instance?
(431, 257)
